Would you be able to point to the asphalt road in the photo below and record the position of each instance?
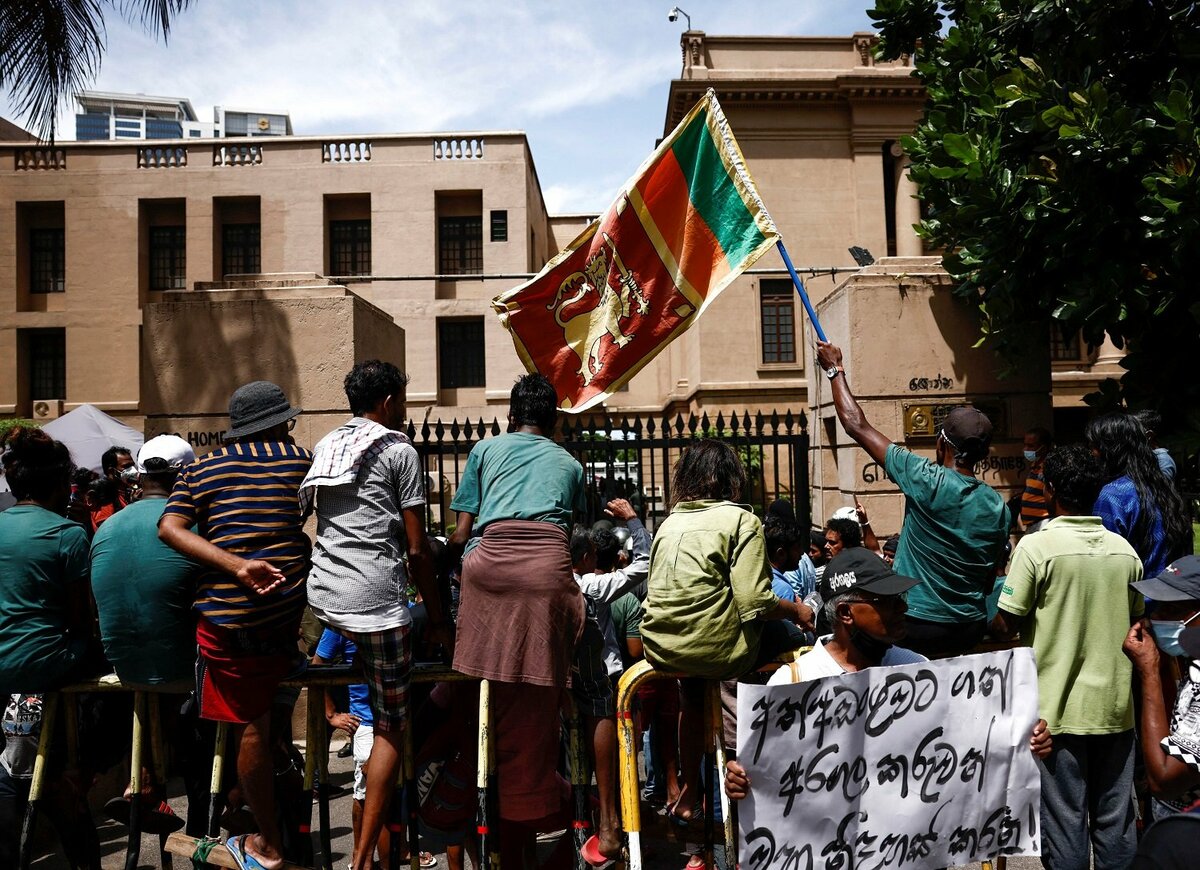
(662, 851)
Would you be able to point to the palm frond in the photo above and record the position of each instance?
(154, 15)
(48, 50)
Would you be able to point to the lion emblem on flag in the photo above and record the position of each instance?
(614, 306)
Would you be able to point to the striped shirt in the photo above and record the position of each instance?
(1033, 499)
(242, 498)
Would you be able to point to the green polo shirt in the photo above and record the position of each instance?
(1073, 579)
(710, 581)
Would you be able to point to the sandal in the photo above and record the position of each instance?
(155, 819)
(426, 860)
(590, 852)
(245, 861)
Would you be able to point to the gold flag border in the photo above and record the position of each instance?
(735, 165)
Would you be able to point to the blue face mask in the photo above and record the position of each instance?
(1166, 635)
(1031, 456)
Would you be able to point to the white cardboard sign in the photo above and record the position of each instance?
(916, 766)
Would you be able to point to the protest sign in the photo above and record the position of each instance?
(923, 765)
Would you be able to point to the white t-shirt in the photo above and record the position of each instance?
(819, 663)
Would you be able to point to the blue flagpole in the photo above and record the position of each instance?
(812, 315)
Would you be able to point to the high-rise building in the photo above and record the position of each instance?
(104, 115)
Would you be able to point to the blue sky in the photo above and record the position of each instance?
(587, 81)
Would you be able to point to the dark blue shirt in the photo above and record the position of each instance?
(1119, 508)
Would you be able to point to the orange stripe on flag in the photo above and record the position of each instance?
(665, 191)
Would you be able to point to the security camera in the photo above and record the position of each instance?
(673, 15)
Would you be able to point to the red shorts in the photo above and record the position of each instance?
(238, 670)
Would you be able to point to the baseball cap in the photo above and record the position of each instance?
(257, 406)
(1179, 581)
(845, 513)
(968, 430)
(171, 450)
(857, 569)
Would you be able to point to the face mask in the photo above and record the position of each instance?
(1166, 635)
(1031, 456)
(872, 648)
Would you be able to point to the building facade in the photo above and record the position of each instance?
(102, 115)
(426, 228)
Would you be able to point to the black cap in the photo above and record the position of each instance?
(969, 432)
(857, 569)
(1179, 581)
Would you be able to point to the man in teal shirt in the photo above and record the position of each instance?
(955, 526)
(143, 589)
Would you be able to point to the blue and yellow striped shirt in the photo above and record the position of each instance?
(243, 498)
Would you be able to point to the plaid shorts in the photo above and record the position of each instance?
(386, 657)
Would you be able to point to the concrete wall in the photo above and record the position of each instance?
(199, 347)
(907, 342)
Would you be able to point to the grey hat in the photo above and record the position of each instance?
(257, 406)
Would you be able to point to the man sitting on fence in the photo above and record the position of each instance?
(521, 611)
(242, 498)
(367, 487)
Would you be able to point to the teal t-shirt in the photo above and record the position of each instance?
(43, 564)
(144, 593)
(954, 531)
(520, 476)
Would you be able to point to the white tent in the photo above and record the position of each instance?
(88, 432)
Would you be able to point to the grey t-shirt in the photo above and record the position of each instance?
(357, 561)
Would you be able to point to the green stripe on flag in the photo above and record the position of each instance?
(713, 193)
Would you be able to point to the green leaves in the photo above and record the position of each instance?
(1058, 163)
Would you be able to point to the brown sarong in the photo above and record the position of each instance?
(521, 610)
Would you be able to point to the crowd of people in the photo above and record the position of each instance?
(221, 577)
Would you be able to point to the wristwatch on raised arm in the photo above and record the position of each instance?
(833, 371)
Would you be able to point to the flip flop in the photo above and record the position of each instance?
(156, 818)
(245, 861)
(426, 860)
(590, 852)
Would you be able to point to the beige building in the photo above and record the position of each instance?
(425, 228)
(428, 228)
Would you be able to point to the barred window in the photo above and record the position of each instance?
(778, 322)
(350, 247)
(240, 251)
(460, 245)
(1065, 347)
(48, 364)
(47, 260)
(168, 258)
(500, 225)
(460, 353)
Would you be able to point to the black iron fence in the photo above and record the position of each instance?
(632, 458)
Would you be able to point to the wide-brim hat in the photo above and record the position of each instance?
(257, 406)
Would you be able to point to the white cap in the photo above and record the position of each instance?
(845, 513)
(170, 448)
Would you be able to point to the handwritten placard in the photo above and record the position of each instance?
(924, 765)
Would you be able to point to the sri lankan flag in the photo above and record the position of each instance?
(685, 226)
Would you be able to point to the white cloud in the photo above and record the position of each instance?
(588, 82)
